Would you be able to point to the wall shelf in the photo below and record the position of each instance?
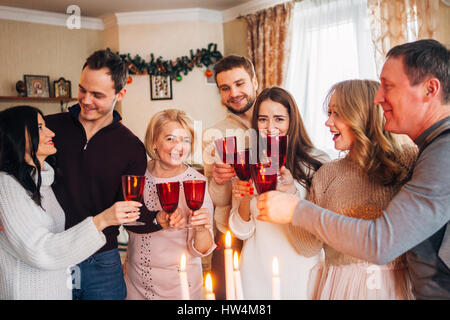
(61, 100)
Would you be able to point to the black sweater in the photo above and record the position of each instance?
(87, 179)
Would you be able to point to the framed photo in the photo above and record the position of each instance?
(62, 88)
(37, 86)
(160, 88)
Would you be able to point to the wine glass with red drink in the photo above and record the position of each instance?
(133, 188)
(277, 149)
(226, 147)
(194, 191)
(264, 177)
(168, 194)
(242, 165)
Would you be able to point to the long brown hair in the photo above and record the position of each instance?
(375, 150)
(298, 160)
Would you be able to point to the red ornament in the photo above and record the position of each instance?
(208, 73)
(130, 80)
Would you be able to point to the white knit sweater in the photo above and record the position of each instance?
(35, 251)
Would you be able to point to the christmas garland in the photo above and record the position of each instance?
(184, 64)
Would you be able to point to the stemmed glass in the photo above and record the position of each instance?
(264, 176)
(275, 148)
(133, 188)
(242, 165)
(226, 147)
(168, 194)
(194, 192)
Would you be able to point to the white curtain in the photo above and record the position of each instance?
(331, 42)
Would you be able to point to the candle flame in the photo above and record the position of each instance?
(236, 261)
(228, 240)
(275, 266)
(208, 283)
(183, 262)
(135, 181)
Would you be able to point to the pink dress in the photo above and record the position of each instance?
(152, 269)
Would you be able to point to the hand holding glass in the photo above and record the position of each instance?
(194, 192)
(168, 194)
(133, 188)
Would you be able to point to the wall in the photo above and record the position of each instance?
(40, 49)
(235, 37)
(444, 24)
(170, 40)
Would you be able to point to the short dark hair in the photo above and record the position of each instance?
(15, 122)
(117, 67)
(234, 61)
(425, 58)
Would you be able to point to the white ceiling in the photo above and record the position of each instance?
(96, 8)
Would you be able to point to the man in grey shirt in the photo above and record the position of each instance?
(414, 94)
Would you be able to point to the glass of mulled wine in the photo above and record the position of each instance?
(133, 188)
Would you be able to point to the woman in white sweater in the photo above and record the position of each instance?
(35, 251)
(275, 113)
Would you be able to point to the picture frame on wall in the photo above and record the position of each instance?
(37, 86)
(160, 87)
(62, 88)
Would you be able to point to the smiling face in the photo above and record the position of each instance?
(97, 96)
(173, 145)
(46, 146)
(237, 89)
(273, 118)
(343, 136)
(402, 103)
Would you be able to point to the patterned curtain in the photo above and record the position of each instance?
(268, 43)
(394, 22)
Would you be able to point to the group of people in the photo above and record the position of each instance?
(369, 225)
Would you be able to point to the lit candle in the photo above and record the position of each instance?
(183, 279)
(237, 278)
(276, 294)
(229, 281)
(209, 291)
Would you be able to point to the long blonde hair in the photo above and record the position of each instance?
(374, 149)
(159, 120)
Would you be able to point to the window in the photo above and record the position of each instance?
(331, 42)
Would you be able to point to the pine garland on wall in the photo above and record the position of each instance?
(174, 69)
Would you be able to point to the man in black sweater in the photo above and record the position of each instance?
(94, 150)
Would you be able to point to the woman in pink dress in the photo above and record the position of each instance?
(153, 258)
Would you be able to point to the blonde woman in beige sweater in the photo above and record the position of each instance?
(359, 185)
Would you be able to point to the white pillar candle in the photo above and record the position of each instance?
(237, 278)
(229, 281)
(209, 291)
(183, 279)
(276, 292)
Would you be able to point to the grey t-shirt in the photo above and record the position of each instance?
(416, 221)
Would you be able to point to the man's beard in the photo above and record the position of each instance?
(251, 102)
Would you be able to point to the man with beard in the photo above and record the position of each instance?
(237, 84)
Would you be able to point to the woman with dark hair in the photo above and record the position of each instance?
(35, 251)
(275, 114)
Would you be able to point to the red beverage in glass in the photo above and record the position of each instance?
(264, 177)
(277, 149)
(242, 165)
(194, 191)
(133, 187)
(226, 147)
(168, 194)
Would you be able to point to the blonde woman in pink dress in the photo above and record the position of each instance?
(153, 258)
(359, 185)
